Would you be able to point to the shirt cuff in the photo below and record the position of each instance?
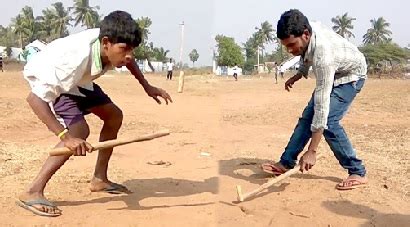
(317, 128)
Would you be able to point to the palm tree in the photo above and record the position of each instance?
(193, 56)
(343, 25)
(18, 28)
(378, 33)
(145, 50)
(62, 19)
(46, 22)
(160, 54)
(30, 25)
(144, 23)
(264, 35)
(85, 14)
(26, 26)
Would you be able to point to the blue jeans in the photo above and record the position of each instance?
(340, 99)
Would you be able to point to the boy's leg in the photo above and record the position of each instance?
(36, 189)
(341, 98)
(296, 144)
(112, 117)
(170, 75)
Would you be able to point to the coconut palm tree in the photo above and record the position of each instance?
(144, 23)
(62, 19)
(85, 14)
(160, 54)
(378, 33)
(145, 50)
(18, 26)
(264, 35)
(343, 25)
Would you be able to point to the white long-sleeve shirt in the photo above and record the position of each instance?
(335, 61)
(64, 65)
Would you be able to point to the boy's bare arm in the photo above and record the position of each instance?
(134, 69)
(152, 91)
(44, 113)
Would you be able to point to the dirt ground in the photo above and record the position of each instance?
(221, 130)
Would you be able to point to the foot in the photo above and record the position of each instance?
(352, 182)
(274, 168)
(38, 204)
(98, 185)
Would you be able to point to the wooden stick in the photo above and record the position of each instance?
(243, 197)
(112, 143)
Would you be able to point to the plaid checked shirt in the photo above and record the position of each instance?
(334, 61)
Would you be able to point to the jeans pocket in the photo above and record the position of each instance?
(358, 85)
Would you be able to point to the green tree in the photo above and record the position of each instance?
(8, 37)
(387, 52)
(61, 19)
(26, 26)
(229, 53)
(194, 56)
(160, 54)
(46, 21)
(264, 35)
(343, 25)
(85, 14)
(378, 33)
(145, 49)
(144, 23)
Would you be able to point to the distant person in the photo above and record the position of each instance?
(170, 68)
(282, 71)
(340, 70)
(1, 63)
(235, 72)
(276, 72)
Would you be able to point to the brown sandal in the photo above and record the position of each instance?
(352, 183)
(272, 168)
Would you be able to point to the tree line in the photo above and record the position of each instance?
(378, 47)
(54, 22)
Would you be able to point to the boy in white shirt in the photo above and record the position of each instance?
(62, 92)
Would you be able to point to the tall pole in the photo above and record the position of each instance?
(181, 72)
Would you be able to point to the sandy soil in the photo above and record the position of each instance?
(221, 131)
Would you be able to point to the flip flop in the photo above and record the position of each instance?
(29, 205)
(115, 189)
(271, 168)
(354, 183)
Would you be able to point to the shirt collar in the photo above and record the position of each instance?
(308, 54)
(96, 64)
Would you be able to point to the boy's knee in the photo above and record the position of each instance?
(114, 118)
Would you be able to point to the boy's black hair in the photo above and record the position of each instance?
(292, 22)
(120, 27)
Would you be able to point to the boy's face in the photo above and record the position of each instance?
(297, 45)
(118, 54)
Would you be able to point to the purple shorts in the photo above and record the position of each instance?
(70, 109)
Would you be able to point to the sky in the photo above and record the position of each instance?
(204, 19)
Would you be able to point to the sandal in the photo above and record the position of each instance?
(352, 182)
(29, 205)
(273, 168)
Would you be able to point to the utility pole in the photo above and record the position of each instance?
(181, 72)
